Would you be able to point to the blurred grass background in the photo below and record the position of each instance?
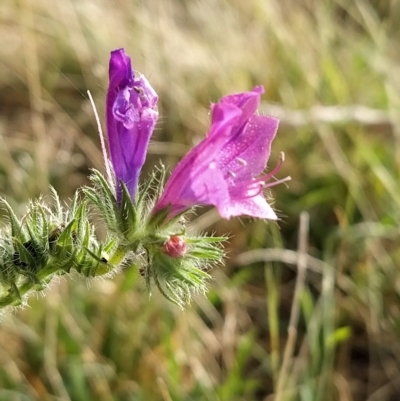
(331, 72)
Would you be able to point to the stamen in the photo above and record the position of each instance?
(232, 174)
(274, 171)
(260, 189)
(277, 182)
(262, 185)
(256, 186)
(241, 161)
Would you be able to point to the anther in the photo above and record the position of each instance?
(241, 161)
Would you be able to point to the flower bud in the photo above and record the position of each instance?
(132, 113)
(175, 247)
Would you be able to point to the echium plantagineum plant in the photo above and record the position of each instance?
(146, 222)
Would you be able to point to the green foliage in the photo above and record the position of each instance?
(44, 243)
(50, 242)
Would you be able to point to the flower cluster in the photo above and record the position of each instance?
(145, 222)
(224, 170)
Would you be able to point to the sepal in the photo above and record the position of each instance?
(103, 196)
(121, 218)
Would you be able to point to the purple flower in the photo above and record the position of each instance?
(131, 116)
(224, 169)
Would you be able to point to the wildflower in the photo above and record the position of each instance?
(223, 170)
(131, 116)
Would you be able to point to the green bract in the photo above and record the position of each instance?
(54, 240)
(47, 242)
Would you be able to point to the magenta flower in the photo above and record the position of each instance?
(224, 169)
(131, 116)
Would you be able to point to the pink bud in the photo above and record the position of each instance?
(175, 247)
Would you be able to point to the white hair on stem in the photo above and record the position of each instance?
(102, 142)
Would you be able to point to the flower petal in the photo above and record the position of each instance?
(248, 103)
(256, 207)
(190, 179)
(246, 155)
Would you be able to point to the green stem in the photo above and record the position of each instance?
(118, 255)
(17, 291)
